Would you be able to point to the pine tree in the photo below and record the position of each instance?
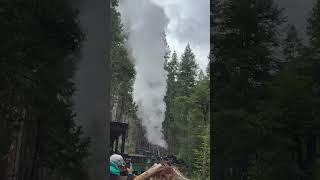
(292, 44)
(309, 69)
(190, 119)
(187, 72)
(289, 115)
(40, 51)
(186, 81)
(313, 28)
(123, 74)
(285, 117)
(201, 75)
(244, 37)
(187, 114)
(172, 69)
(122, 70)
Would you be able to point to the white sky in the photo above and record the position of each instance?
(189, 22)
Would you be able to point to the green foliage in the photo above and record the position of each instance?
(187, 113)
(313, 28)
(123, 75)
(122, 68)
(265, 124)
(187, 72)
(172, 70)
(39, 53)
(243, 62)
(202, 155)
(292, 44)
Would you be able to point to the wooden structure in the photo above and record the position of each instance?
(161, 171)
(118, 130)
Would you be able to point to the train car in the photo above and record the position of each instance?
(139, 162)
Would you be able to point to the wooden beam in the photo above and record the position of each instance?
(116, 148)
(150, 172)
(123, 143)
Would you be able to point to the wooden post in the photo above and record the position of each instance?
(123, 143)
(112, 147)
(116, 148)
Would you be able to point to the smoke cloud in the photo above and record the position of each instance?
(145, 23)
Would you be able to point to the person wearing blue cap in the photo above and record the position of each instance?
(116, 161)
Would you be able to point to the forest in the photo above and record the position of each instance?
(265, 92)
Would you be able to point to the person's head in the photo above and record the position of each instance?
(117, 159)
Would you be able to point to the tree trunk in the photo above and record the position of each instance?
(4, 148)
(27, 150)
(299, 152)
(311, 155)
(13, 154)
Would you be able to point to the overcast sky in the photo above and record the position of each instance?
(189, 22)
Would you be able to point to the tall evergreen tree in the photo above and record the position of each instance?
(286, 117)
(187, 72)
(172, 69)
(313, 28)
(38, 59)
(245, 34)
(292, 44)
(190, 114)
(122, 70)
(290, 115)
(123, 74)
(313, 31)
(186, 80)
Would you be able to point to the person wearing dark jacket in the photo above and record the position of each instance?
(116, 161)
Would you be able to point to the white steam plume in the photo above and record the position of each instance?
(145, 23)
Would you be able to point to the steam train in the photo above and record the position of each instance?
(141, 161)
